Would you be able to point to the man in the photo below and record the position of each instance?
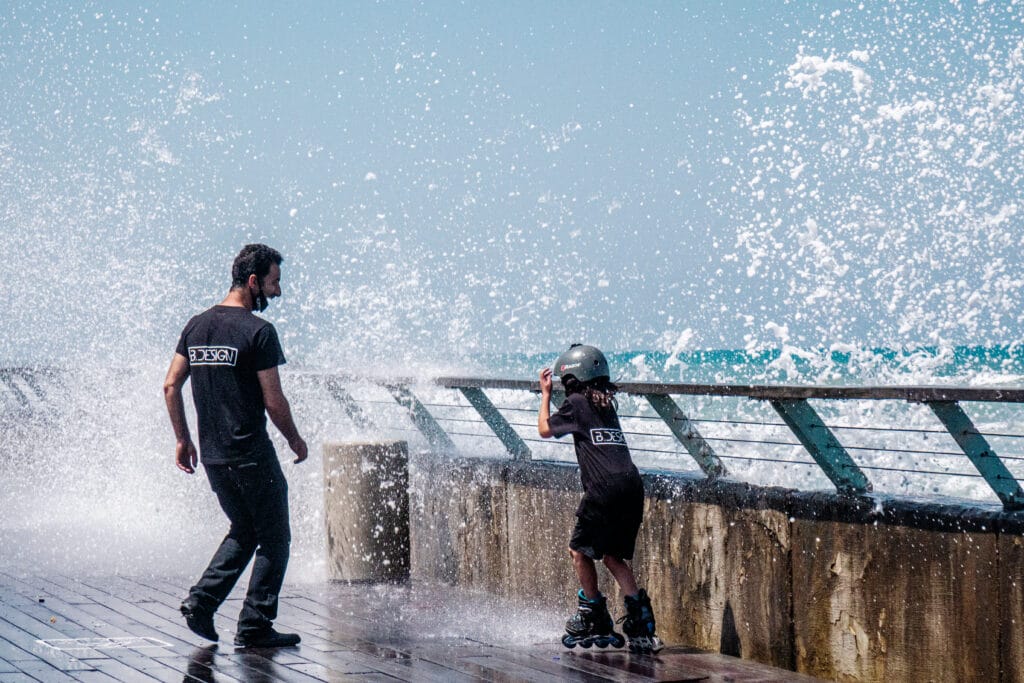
(232, 357)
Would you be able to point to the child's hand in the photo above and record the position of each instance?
(545, 381)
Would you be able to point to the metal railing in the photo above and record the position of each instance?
(23, 390)
(774, 425)
(792, 404)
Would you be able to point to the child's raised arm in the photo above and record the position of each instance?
(545, 403)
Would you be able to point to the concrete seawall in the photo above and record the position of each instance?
(841, 588)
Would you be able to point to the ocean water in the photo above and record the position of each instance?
(995, 365)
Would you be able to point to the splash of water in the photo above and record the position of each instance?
(861, 193)
(876, 181)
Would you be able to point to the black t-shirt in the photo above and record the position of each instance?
(225, 347)
(600, 445)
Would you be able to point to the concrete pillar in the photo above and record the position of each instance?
(366, 505)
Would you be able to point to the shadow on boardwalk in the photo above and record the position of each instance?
(58, 628)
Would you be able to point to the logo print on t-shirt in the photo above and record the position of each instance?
(604, 436)
(212, 355)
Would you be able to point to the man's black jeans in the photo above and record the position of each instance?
(254, 496)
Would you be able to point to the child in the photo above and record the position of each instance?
(608, 518)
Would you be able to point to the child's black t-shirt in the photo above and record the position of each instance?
(600, 445)
(225, 347)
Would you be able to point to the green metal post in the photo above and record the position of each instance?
(823, 446)
(516, 447)
(32, 380)
(19, 394)
(979, 452)
(422, 418)
(348, 403)
(688, 435)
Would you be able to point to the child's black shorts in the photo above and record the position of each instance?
(608, 520)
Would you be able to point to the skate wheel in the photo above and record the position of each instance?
(618, 641)
(585, 644)
(568, 641)
(645, 645)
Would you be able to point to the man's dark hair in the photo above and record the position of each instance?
(253, 259)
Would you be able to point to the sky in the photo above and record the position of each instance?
(453, 179)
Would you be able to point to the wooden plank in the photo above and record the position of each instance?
(388, 647)
(348, 632)
(47, 588)
(139, 591)
(89, 594)
(263, 663)
(11, 653)
(396, 662)
(326, 673)
(161, 591)
(386, 652)
(127, 615)
(130, 657)
(120, 671)
(23, 632)
(143, 623)
(159, 617)
(95, 677)
(726, 668)
(339, 662)
(155, 589)
(582, 664)
(152, 612)
(474, 659)
(665, 666)
(175, 671)
(410, 668)
(40, 670)
(148, 666)
(216, 664)
(86, 622)
(200, 665)
(498, 666)
(72, 613)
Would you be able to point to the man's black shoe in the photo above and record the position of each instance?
(268, 638)
(200, 623)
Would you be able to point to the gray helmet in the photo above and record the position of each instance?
(583, 362)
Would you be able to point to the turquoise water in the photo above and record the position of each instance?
(1001, 365)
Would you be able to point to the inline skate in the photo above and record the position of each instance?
(638, 624)
(591, 625)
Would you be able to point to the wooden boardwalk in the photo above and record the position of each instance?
(115, 628)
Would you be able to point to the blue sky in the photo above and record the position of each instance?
(452, 178)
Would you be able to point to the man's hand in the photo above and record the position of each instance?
(185, 456)
(298, 446)
(185, 451)
(280, 412)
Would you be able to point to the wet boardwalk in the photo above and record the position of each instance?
(59, 628)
